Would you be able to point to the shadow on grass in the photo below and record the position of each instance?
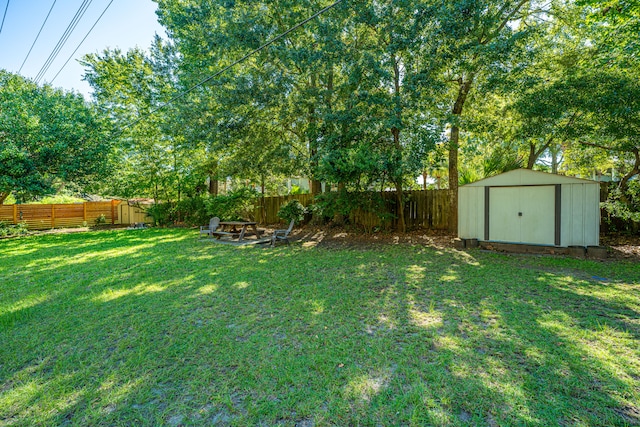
(179, 332)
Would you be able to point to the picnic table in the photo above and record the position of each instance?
(237, 229)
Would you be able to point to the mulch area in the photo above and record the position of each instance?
(339, 237)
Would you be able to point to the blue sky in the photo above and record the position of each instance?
(126, 24)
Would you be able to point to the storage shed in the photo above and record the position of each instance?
(529, 207)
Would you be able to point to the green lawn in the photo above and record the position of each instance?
(153, 327)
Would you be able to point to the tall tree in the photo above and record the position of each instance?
(466, 42)
(47, 135)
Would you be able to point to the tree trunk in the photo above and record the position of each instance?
(395, 131)
(338, 218)
(534, 154)
(213, 185)
(263, 217)
(316, 185)
(213, 179)
(624, 182)
(402, 225)
(454, 143)
(554, 162)
(3, 196)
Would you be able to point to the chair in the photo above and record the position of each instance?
(213, 225)
(282, 235)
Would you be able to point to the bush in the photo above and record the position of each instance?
(293, 209)
(238, 205)
(163, 214)
(13, 230)
(623, 208)
(192, 211)
(339, 207)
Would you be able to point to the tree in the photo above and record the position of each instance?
(467, 43)
(47, 136)
(153, 156)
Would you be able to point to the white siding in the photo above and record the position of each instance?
(580, 215)
(471, 212)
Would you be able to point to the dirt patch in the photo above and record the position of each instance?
(618, 246)
(622, 246)
(338, 237)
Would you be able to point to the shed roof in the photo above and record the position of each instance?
(528, 177)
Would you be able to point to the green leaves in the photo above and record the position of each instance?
(46, 134)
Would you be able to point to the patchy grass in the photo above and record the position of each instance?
(152, 327)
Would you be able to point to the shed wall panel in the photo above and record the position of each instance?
(471, 213)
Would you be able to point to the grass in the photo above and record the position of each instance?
(152, 327)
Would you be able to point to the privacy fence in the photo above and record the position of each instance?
(422, 209)
(40, 217)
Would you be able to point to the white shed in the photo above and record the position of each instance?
(529, 207)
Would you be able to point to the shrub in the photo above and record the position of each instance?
(13, 230)
(163, 214)
(192, 211)
(236, 206)
(339, 207)
(623, 208)
(293, 209)
(102, 219)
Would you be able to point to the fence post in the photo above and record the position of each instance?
(113, 212)
(15, 214)
(84, 212)
(53, 215)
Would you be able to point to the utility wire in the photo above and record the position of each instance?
(233, 64)
(63, 39)
(5, 15)
(34, 42)
(82, 41)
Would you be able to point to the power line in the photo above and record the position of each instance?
(4, 16)
(233, 64)
(63, 39)
(82, 41)
(34, 42)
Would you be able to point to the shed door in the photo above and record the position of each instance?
(522, 214)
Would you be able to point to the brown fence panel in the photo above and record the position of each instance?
(267, 211)
(96, 209)
(423, 209)
(69, 215)
(40, 217)
(6, 213)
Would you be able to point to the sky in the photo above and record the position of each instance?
(125, 24)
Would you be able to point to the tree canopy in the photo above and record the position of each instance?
(47, 137)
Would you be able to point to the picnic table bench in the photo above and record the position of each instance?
(237, 229)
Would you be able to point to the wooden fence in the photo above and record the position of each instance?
(40, 217)
(267, 211)
(422, 209)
